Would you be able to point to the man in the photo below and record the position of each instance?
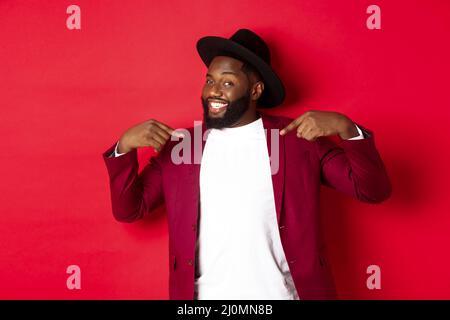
(243, 221)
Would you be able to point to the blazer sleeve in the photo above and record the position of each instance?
(133, 194)
(354, 167)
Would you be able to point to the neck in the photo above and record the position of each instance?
(248, 117)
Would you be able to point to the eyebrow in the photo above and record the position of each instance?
(225, 72)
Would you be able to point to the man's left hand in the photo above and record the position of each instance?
(314, 124)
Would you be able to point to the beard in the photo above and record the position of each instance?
(235, 110)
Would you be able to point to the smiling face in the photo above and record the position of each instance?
(229, 94)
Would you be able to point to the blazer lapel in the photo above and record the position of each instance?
(196, 156)
(275, 146)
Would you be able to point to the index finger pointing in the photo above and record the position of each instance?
(294, 124)
(291, 126)
(169, 130)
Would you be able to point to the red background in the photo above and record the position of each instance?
(67, 95)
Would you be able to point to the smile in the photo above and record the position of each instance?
(217, 106)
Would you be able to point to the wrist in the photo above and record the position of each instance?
(348, 129)
(122, 147)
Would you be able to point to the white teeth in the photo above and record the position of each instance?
(217, 105)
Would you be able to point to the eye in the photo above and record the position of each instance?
(228, 84)
(209, 81)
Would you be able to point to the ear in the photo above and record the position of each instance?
(257, 90)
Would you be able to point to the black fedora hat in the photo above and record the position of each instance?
(247, 46)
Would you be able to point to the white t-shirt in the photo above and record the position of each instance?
(240, 255)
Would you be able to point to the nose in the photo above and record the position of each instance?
(215, 91)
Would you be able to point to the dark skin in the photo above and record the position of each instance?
(225, 81)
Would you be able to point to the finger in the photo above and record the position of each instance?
(310, 134)
(178, 133)
(164, 127)
(160, 132)
(304, 116)
(169, 130)
(159, 135)
(294, 124)
(154, 144)
(301, 129)
(291, 126)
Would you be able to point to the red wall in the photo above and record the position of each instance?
(67, 95)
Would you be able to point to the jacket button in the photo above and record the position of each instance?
(282, 227)
(292, 261)
(189, 262)
(194, 227)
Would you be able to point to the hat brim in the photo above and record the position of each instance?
(211, 46)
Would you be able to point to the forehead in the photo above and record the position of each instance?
(224, 63)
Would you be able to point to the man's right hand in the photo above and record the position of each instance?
(150, 133)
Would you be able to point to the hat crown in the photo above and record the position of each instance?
(248, 47)
(252, 42)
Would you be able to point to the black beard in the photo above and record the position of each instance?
(235, 110)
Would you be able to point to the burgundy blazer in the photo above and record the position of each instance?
(353, 167)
